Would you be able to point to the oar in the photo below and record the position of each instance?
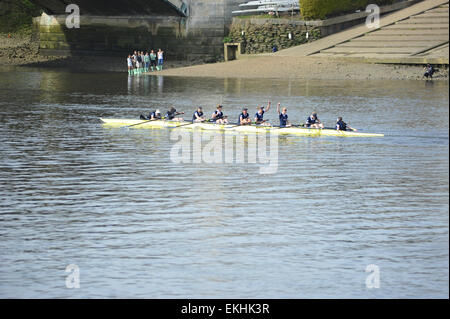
(261, 123)
(190, 123)
(162, 118)
(292, 125)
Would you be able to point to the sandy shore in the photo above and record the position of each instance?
(268, 66)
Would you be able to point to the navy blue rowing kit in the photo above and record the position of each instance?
(219, 115)
(341, 126)
(196, 115)
(154, 115)
(283, 120)
(259, 117)
(311, 120)
(243, 117)
(171, 114)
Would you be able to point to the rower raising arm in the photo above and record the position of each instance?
(284, 122)
(267, 107)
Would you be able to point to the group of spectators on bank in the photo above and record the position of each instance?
(140, 62)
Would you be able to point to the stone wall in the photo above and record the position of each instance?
(260, 35)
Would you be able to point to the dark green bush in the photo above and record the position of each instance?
(322, 9)
(17, 15)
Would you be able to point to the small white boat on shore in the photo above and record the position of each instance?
(268, 6)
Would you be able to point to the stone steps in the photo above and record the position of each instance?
(358, 55)
(385, 50)
(416, 21)
(388, 44)
(402, 38)
(438, 10)
(409, 36)
(428, 21)
(388, 32)
(407, 26)
(437, 52)
(430, 16)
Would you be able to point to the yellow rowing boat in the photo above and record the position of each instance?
(232, 127)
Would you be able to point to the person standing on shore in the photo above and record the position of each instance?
(134, 59)
(138, 62)
(143, 62)
(152, 60)
(129, 64)
(160, 59)
(146, 61)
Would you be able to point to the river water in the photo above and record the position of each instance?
(137, 224)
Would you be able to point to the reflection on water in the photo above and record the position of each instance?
(138, 225)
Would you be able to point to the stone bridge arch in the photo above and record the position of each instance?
(185, 29)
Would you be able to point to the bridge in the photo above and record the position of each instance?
(184, 29)
(117, 7)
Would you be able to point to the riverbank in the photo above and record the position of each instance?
(269, 66)
(19, 49)
(23, 50)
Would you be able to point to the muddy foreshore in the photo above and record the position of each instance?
(23, 50)
(305, 68)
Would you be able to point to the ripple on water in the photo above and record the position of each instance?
(138, 225)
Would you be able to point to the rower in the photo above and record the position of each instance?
(155, 115)
(313, 121)
(283, 116)
(218, 116)
(198, 115)
(244, 118)
(259, 116)
(170, 115)
(342, 126)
